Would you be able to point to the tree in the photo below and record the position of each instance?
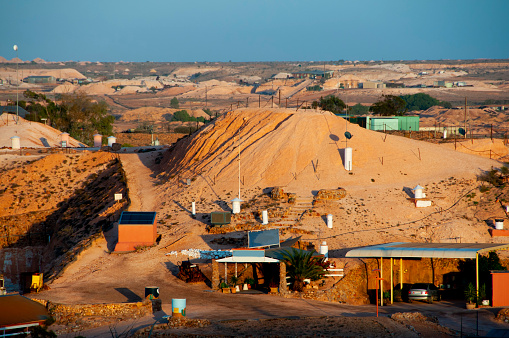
(423, 101)
(77, 114)
(389, 105)
(330, 103)
(359, 109)
(182, 115)
(81, 117)
(174, 103)
(302, 265)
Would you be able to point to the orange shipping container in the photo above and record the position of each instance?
(500, 283)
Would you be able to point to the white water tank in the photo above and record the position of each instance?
(236, 205)
(111, 140)
(418, 192)
(265, 217)
(98, 140)
(499, 224)
(329, 221)
(324, 249)
(348, 159)
(15, 143)
(64, 139)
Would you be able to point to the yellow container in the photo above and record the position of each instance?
(37, 282)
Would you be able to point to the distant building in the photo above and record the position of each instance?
(349, 81)
(372, 85)
(388, 123)
(442, 84)
(314, 74)
(282, 76)
(40, 79)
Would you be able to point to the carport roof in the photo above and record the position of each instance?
(425, 250)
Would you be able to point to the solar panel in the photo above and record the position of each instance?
(258, 239)
(137, 217)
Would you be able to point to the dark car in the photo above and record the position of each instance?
(423, 291)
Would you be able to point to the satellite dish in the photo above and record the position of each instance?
(348, 135)
(462, 131)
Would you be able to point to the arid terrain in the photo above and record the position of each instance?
(250, 151)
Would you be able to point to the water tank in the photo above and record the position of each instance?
(15, 143)
(329, 221)
(265, 217)
(236, 205)
(348, 159)
(418, 192)
(178, 307)
(111, 140)
(499, 224)
(98, 140)
(64, 139)
(324, 249)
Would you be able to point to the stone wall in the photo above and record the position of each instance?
(67, 314)
(14, 261)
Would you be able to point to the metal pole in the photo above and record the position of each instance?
(392, 288)
(476, 275)
(401, 273)
(17, 85)
(381, 281)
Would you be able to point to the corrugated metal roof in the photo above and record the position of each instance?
(425, 250)
(19, 310)
(251, 259)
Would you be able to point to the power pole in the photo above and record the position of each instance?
(465, 117)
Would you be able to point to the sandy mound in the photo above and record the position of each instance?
(188, 71)
(65, 73)
(96, 89)
(65, 88)
(32, 134)
(303, 151)
(174, 91)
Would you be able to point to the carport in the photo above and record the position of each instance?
(422, 250)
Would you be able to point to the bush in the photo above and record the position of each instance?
(174, 103)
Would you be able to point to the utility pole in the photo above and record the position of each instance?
(465, 117)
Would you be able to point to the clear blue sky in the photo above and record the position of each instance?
(256, 30)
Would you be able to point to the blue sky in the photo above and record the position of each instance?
(257, 30)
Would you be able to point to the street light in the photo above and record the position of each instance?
(17, 83)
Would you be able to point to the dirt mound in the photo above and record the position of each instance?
(64, 73)
(303, 151)
(32, 134)
(96, 89)
(175, 91)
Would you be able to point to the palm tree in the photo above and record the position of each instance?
(303, 265)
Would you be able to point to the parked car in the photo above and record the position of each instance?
(423, 291)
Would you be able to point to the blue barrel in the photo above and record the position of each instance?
(178, 307)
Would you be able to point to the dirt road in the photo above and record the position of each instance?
(140, 180)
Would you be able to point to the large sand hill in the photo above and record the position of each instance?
(303, 151)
